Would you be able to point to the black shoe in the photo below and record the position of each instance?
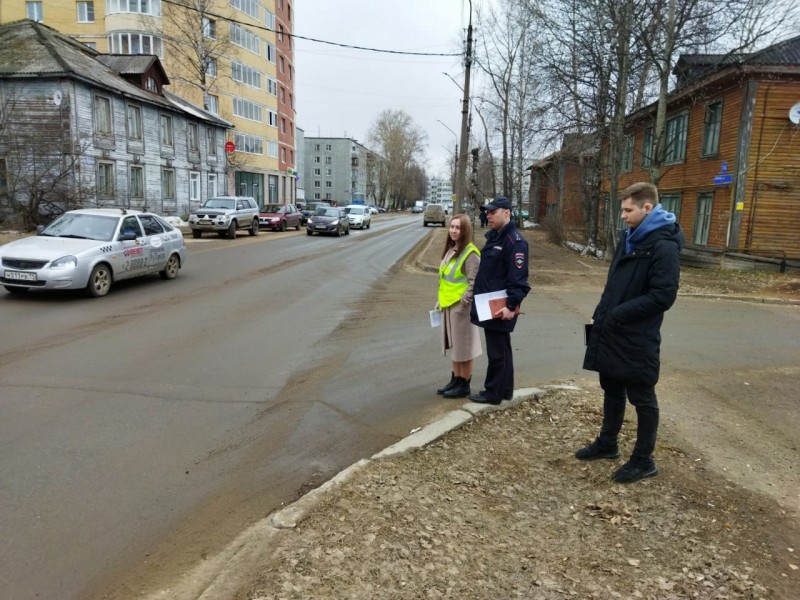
(594, 451)
(459, 390)
(508, 396)
(448, 386)
(631, 471)
(481, 399)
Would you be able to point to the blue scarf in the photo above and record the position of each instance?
(657, 218)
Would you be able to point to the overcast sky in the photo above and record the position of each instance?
(340, 92)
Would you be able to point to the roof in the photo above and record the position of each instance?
(30, 49)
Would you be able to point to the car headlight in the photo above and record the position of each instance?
(336, 222)
(65, 262)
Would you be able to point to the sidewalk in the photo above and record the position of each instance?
(488, 502)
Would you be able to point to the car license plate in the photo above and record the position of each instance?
(20, 276)
(321, 227)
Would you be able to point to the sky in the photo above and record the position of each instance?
(340, 92)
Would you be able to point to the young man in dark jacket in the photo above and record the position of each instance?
(625, 338)
(504, 266)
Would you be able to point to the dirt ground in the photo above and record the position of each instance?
(499, 508)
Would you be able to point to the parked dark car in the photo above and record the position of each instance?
(311, 208)
(279, 217)
(332, 220)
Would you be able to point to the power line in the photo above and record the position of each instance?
(308, 39)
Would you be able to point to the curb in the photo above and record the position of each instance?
(221, 576)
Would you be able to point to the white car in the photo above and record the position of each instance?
(359, 215)
(91, 249)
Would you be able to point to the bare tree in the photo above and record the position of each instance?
(402, 144)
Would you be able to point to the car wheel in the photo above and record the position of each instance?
(369, 224)
(231, 233)
(171, 269)
(99, 281)
(338, 231)
(309, 232)
(15, 290)
(297, 227)
(283, 226)
(254, 227)
(196, 233)
(424, 223)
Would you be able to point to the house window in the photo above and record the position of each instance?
(134, 122)
(272, 118)
(283, 154)
(33, 10)
(272, 149)
(702, 219)
(166, 131)
(209, 28)
(328, 160)
(194, 186)
(247, 110)
(328, 172)
(249, 144)
(136, 185)
(272, 86)
(211, 67)
(212, 185)
(135, 43)
(248, 7)
(193, 138)
(150, 85)
(283, 95)
(711, 128)
(281, 65)
(269, 19)
(243, 38)
(627, 154)
(317, 172)
(317, 184)
(168, 184)
(211, 141)
(271, 52)
(647, 147)
(280, 33)
(675, 139)
(316, 147)
(213, 104)
(246, 75)
(328, 147)
(85, 12)
(105, 180)
(317, 160)
(328, 184)
(144, 7)
(102, 115)
(671, 203)
(283, 125)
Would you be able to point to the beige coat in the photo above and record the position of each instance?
(460, 336)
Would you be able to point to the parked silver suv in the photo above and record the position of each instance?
(225, 214)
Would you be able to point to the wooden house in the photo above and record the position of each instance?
(79, 128)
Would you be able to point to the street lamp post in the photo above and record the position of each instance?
(455, 155)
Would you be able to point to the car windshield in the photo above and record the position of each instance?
(273, 208)
(354, 210)
(226, 203)
(327, 212)
(82, 226)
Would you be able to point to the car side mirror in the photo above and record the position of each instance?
(39, 229)
(127, 236)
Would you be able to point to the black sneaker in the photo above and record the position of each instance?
(594, 451)
(631, 471)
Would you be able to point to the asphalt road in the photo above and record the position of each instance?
(142, 432)
(127, 422)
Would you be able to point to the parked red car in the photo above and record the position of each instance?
(279, 217)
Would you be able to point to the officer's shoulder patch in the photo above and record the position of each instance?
(519, 259)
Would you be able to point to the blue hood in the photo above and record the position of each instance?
(657, 218)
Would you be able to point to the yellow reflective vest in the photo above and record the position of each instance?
(452, 280)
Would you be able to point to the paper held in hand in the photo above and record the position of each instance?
(436, 318)
(487, 305)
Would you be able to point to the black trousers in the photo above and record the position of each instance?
(643, 397)
(499, 383)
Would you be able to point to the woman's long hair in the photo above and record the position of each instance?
(463, 239)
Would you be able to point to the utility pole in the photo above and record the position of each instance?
(461, 175)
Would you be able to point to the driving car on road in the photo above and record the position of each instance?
(280, 216)
(359, 216)
(328, 220)
(434, 213)
(91, 249)
(224, 215)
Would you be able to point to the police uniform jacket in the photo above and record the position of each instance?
(504, 266)
(625, 340)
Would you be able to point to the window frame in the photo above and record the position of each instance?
(166, 131)
(134, 122)
(103, 115)
(193, 138)
(647, 147)
(671, 202)
(167, 183)
(87, 8)
(104, 182)
(34, 10)
(136, 183)
(702, 220)
(626, 164)
(712, 130)
(211, 141)
(194, 186)
(676, 133)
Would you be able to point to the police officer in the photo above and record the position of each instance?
(504, 266)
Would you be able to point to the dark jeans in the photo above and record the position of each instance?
(499, 381)
(643, 397)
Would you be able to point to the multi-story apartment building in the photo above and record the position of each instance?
(440, 191)
(340, 169)
(235, 57)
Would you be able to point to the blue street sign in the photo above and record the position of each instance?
(723, 179)
(724, 168)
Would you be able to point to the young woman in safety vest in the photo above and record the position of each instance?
(460, 261)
